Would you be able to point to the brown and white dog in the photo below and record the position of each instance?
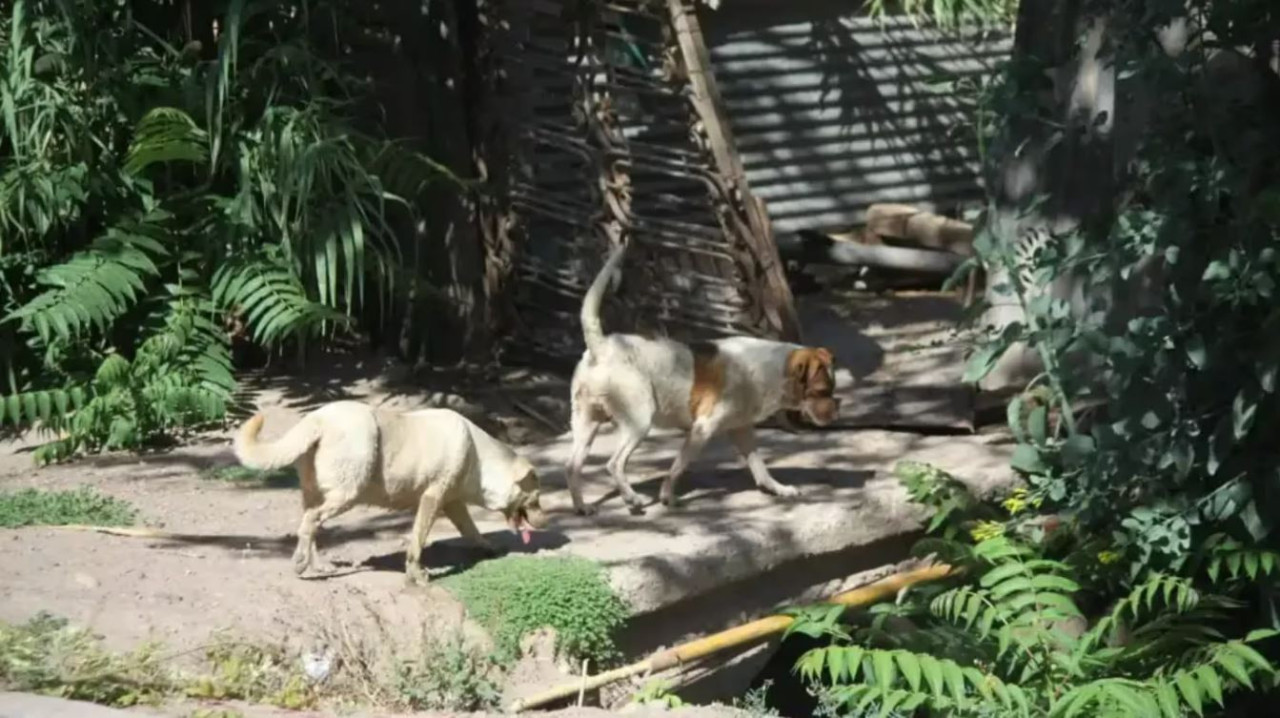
(721, 386)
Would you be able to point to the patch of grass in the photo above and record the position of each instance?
(37, 507)
(516, 595)
(46, 655)
(286, 478)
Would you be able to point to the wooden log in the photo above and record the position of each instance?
(926, 229)
(816, 248)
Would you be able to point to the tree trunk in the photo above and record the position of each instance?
(1070, 164)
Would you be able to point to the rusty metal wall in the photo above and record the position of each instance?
(833, 111)
(606, 148)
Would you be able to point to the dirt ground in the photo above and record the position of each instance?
(231, 571)
(18, 705)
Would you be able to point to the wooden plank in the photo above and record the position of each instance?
(778, 303)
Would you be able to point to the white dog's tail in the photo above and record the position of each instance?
(276, 454)
(592, 331)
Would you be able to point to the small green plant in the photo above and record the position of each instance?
(516, 595)
(254, 673)
(36, 507)
(447, 677)
(245, 476)
(46, 655)
(657, 693)
(756, 701)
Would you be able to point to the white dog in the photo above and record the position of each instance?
(433, 461)
(726, 385)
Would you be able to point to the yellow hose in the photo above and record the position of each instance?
(739, 635)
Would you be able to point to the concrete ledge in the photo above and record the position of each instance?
(727, 530)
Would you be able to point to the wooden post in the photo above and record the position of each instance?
(779, 305)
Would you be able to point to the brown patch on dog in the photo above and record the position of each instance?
(708, 379)
(809, 373)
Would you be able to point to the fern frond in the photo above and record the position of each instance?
(166, 134)
(93, 288)
(904, 680)
(48, 407)
(1175, 593)
(1225, 558)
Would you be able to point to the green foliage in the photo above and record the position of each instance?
(46, 655)
(151, 198)
(253, 673)
(515, 595)
(1012, 637)
(447, 676)
(37, 507)
(657, 693)
(1152, 422)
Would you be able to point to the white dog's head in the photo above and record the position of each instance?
(524, 509)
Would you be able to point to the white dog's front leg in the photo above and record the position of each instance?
(458, 515)
(745, 440)
(428, 508)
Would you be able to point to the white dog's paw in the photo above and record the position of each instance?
(586, 510)
(783, 491)
(416, 577)
(634, 500)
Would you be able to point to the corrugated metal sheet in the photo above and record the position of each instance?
(833, 111)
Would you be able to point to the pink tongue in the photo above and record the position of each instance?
(526, 536)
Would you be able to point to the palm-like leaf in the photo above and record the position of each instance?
(271, 298)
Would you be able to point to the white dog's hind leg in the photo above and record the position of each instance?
(584, 427)
(745, 440)
(633, 413)
(335, 504)
(312, 499)
(693, 442)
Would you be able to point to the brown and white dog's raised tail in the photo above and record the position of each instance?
(266, 456)
(592, 331)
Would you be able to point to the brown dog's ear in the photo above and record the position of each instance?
(798, 371)
(825, 356)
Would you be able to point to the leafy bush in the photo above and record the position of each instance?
(139, 238)
(447, 677)
(36, 507)
(515, 595)
(253, 673)
(46, 655)
(1012, 638)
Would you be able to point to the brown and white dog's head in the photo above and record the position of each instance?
(524, 511)
(811, 385)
